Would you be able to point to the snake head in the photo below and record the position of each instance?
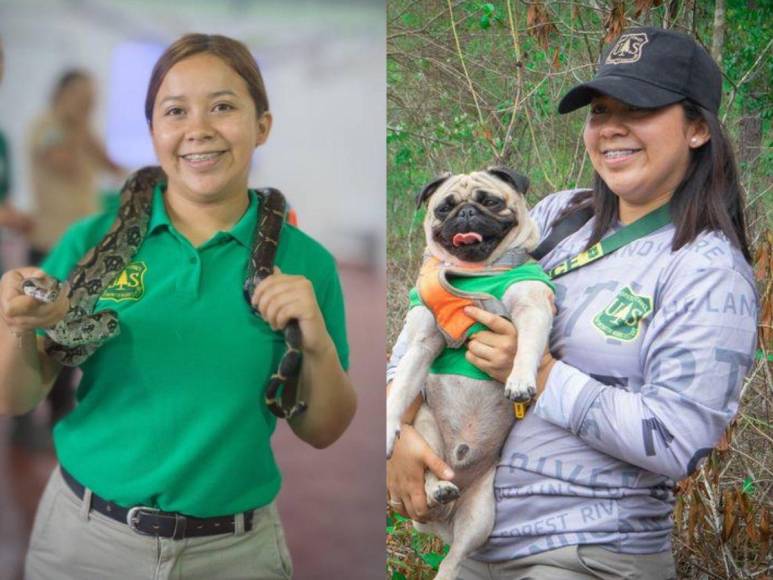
(44, 288)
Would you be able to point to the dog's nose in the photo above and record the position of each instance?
(467, 213)
(461, 451)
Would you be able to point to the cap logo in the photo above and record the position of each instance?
(627, 49)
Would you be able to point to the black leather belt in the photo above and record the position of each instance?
(153, 522)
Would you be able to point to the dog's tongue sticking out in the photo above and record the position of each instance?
(466, 239)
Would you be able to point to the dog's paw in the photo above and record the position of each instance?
(442, 493)
(392, 436)
(521, 389)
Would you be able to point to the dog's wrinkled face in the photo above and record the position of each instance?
(476, 217)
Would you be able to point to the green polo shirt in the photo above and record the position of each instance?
(170, 412)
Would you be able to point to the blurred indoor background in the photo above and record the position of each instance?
(324, 68)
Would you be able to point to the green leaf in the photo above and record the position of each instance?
(485, 21)
(398, 575)
(403, 156)
(395, 134)
(410, 19)
(760, 355)
(748, 486)
(433, 559)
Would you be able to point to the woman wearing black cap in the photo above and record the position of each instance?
(656, 327)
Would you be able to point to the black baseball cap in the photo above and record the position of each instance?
(652, 67)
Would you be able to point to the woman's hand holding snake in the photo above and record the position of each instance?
(24, 313)
(282, 297)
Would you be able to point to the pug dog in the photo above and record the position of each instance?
(474, 223)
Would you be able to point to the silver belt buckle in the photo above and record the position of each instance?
(133, 518)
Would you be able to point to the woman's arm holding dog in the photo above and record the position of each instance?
(493, 351)
(694, 359)
(412, 456)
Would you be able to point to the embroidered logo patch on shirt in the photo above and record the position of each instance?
(621, 318)
(128, 285)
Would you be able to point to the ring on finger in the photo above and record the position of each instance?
(395, 502)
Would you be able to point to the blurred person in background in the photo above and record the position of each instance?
(66, 158)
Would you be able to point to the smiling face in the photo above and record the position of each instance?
(641, 154)
(474, 218)
(205, 129)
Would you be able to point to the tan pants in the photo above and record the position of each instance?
(71, 543)
(575, 563)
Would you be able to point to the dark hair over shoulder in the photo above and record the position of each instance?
(232, 52)
(710, 197)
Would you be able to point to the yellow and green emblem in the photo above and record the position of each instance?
(621, 319)
(128, 285)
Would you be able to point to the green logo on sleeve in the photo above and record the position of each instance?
(128, 285)
(621, 318)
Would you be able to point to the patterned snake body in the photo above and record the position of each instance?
(81, 332)
(272, 216)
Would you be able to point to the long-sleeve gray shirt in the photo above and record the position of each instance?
(653, 346)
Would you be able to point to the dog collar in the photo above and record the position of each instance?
(512, 258)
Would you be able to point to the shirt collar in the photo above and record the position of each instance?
(242, 231)
(158, 216)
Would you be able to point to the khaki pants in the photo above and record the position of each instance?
(575, 563)
(69, 542)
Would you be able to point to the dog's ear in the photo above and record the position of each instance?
(519, 182)
(430, 188)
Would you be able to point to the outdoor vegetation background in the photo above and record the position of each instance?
(472, 84)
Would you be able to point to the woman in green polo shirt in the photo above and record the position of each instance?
(169, 434)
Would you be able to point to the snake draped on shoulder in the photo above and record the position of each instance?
(81, 332)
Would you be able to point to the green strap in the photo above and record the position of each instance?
(642, 227)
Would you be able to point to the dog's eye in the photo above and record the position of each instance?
(443, 209)
(492, 202)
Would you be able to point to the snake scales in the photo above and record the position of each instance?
(81, 332)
